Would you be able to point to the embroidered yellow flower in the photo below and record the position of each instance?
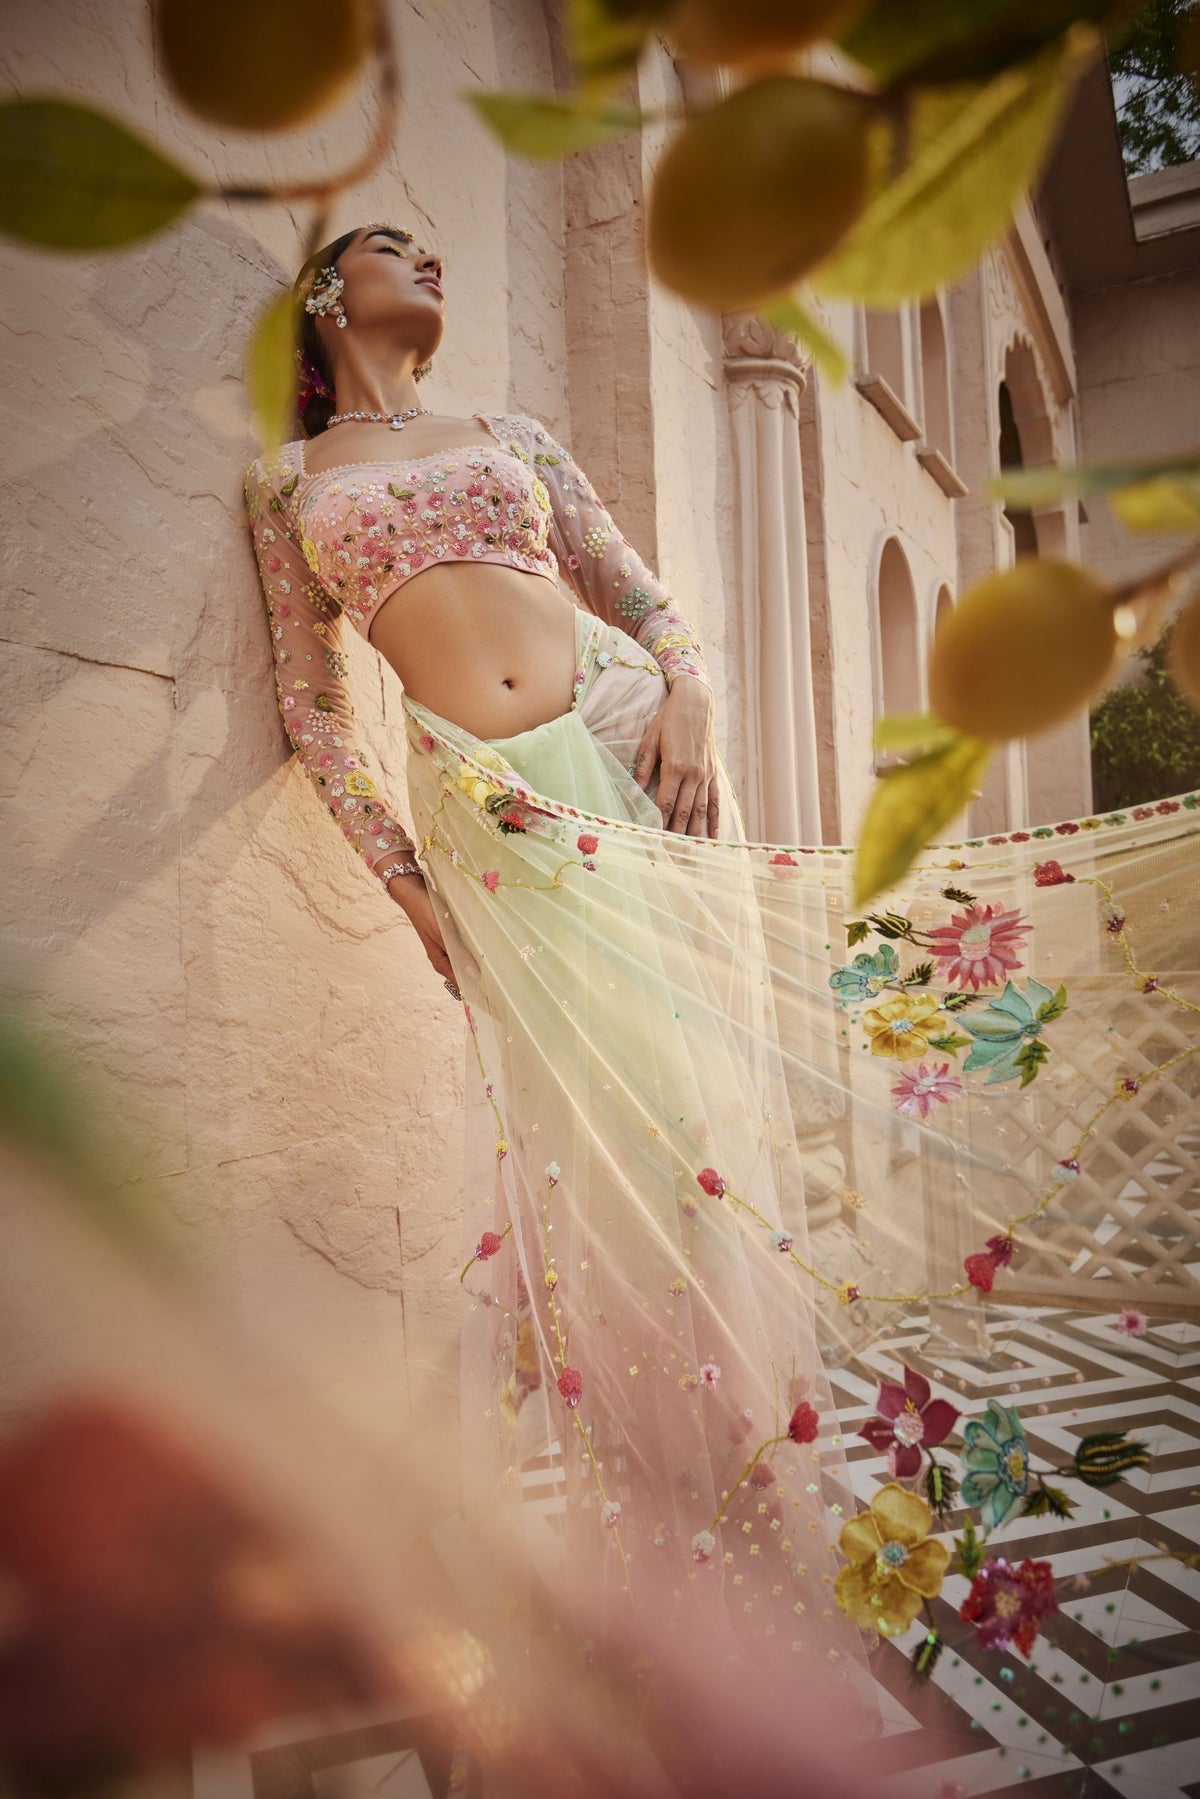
(893, 1566)
(361, 784)
(541, 494)
(308, 550)
(480, 791)
(902, 1026)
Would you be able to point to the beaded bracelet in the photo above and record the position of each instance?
(400, 868)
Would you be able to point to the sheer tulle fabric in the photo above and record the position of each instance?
(721, 1132)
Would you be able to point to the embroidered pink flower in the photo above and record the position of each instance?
(487, 1246)
(909, 1420)
(710, 1374)
(491, 879)
(570, 1385)
(979, 945)
(917, 1095)
(1131, 1323)
(710, 1180)
(762, 1475)
(981, 1269)
(426, 742)
(783, 860)
(587, 843)
(804, 1425)
(1007, 1604)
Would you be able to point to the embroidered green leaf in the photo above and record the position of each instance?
(924, 1657)
(399, 493)
(892, 925)
(545, 460)
(968, 1558)
(970, 151)
(1054, 1007)
(1029, 1059)
(951, 1044)
(1048, 1502)
(271, 370)
(857, 932)
(958, 1002)
(941, 1488)
(1106, 1457)
(903, 731)
(74, 179)
(909, 805)
(786, 312)
(921, 975)
(547, 126)
(288, 487)
(959, 895)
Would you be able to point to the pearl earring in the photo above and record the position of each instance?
(325, 296)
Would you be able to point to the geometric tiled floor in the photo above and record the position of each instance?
(1111, 1702)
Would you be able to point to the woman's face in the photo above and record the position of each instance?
(394, 284)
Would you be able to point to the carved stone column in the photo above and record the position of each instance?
(766, 374)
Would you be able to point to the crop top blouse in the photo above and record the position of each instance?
(336, 543)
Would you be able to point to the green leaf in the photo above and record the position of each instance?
(924, 1657)
(74, 179)
(1054, 1007)
(271, 372)
(958, 1002)
(899, 731)
(969, 1551)
(941, 1488)
(950, 1044)
(546, 126)
(785, 312)
(909, 805)
(958, 895)
(857, 932)
(607, 37)
(1026, 488)
(972, 151)
(960, 40)
(1163, 503)
(921, 975)
(1048, 1502)
(1030, 1058)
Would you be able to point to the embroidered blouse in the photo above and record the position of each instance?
(336, 543)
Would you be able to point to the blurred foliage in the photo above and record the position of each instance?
(1154, 66)
(1145, 737)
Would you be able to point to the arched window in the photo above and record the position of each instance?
(898, 663)
(943, 604)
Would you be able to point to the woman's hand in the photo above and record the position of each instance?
(680, 738)
(411, 892)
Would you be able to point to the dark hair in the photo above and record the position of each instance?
(319, 408)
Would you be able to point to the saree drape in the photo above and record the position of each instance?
(722, 1131)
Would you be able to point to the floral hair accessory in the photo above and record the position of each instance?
(312, 381)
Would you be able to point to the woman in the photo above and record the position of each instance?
(666, 1052)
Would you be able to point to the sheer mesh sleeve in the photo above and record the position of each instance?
(602, 567)
(310, 676)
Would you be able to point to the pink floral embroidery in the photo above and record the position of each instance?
(710, 1180)
(491, 879)
(981, 1268)
(979, 945)
(783, 860)
(805, 1424)
(1131, 1323)
(587, 843)
(908, 1420)
(426, 742)
(710, 1374)
(487, 1246)
(917, 1095)
(570, 1385)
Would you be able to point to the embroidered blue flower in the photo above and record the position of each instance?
(997, 1456)
(866, 976)
(1008, 1033)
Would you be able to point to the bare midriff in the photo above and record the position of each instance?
(490, 648)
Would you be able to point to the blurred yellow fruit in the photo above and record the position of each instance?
(756, 191)
(1023, 649)
(263, 65)
(1183, 658)
(735, 31)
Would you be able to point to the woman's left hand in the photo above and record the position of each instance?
(680, 738)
